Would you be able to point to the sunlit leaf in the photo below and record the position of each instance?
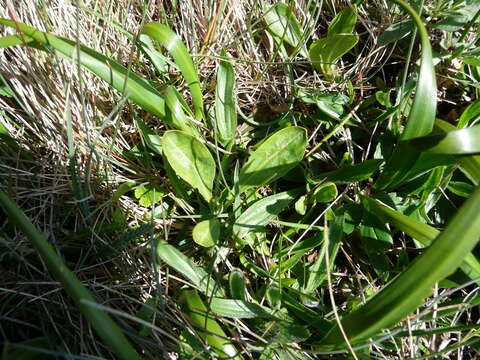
(206, 326)
(225, 111)
(185, 266)
(277, 155)
(406, 292)
(262, 212)
(175, 46)
(191, 160)
(283, 25)
(207, 232)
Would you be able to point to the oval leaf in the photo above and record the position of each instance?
(326, 51)
(191, 160)
(343, 22)
(283, 25)
(207, 232)
(262, 212)
(277, 155)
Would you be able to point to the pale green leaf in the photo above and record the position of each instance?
(277, 155)
(191, 160)
(207, 232)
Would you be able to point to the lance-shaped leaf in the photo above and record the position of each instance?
(421, 232)
(325, 52)
(422, 113)
(137, 89)
(284, 26)
(175, 110)
(464, 141)
(185, 266)
(225, 112)
(262, 212)
(276, 156)
(470, 165)
(175, 46)
(191, 160)
(406, 292)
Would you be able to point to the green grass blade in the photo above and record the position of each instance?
(225, 109)
(101, 322)
(13, 40)
(138, 89)
(406, 292)
(422, 113)
(175, 46)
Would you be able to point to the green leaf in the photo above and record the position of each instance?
(395, 32)
(185, 266)
(349, 174)
(343, 23)
(458, 142)
(470, 114)
(206, 325)
(240, 309)
(207, 232)
(460, 188)
(191, 160)
(225, 110)
(262, 212)
(326, 51)
(276, 156)
(175, 46)
(421, 232)
(152, 140)
(148, 195)
(406, 292)
(317, 273)
(138, 89)
(176, 107)
(325, 192)
(470, 165)
(421, 116)
(236, 282)
(283, 25)
(301, 205)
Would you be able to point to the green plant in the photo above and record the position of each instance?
(237, 184)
